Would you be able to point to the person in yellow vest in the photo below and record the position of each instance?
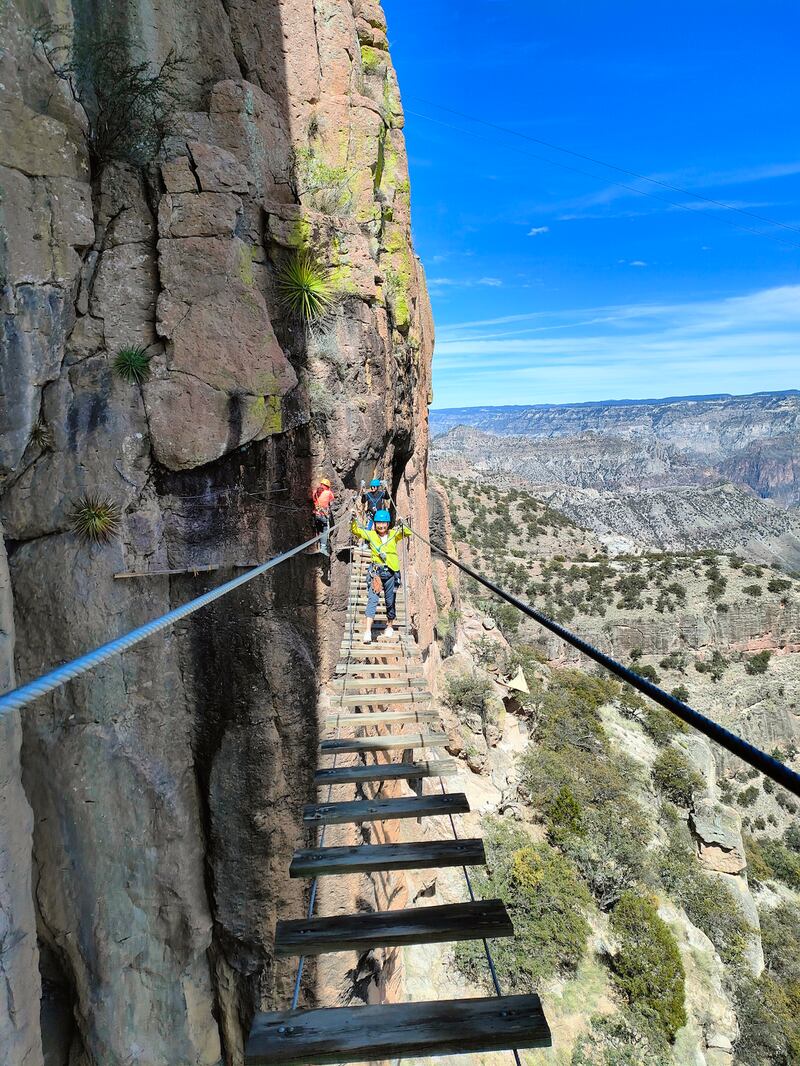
(383, 573)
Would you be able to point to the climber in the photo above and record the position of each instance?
(323, 498)
(383, 572)
(372, 500)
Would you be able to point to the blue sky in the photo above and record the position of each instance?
(551, 286)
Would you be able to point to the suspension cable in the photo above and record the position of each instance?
(737, 745)
(23, 695)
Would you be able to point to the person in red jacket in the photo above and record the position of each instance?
(323, 498)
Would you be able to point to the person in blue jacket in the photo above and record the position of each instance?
(373, 499)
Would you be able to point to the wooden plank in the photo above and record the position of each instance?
(378, 810)
(354, 699)
(360, 683)
(361, 858)
(387, 742)
(397, 1031)
(390, 771)
(414, 925)
(377, 668)
(412, 714)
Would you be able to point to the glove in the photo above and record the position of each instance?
(377, 585)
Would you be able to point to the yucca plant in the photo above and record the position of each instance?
(304, 287)
(133, 364)
(41, 435)
(95, 518)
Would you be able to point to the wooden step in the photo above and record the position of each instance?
(387, 742)
(358, 645)
(361, 858)
(360, 683)
(389, 771)
(397, 1031)
(381, 810)
(370, 669)
(355, 699)
(412, 714)
(414, 925)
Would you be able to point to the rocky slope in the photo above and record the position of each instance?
(166, 787)
(540, 759)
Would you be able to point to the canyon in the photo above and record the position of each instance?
(720, 472)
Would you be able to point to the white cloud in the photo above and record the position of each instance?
(736, 344)
(464, 283)
(536, 230)
(637, 263)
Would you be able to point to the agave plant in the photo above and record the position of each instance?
(132, 364)
(304, 287)
(95, 518)
(41, 435)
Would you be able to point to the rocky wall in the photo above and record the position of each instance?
(167, 786)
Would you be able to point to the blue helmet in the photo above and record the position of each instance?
(375, 483)
(382, 516)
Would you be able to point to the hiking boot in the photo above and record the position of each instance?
(389, 632)
(366, 637)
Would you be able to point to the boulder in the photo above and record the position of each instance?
(718, 830)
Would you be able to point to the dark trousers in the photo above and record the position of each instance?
(391, 583)
(323, 522)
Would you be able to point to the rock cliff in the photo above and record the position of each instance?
(166, 787)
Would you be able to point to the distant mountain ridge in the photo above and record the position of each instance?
(513, 418)
(749, 441)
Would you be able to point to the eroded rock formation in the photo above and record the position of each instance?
(166, 787)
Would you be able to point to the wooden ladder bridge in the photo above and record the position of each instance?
(382, 704)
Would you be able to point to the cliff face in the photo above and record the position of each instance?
(167, 786)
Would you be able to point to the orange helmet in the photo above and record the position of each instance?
(324, 481)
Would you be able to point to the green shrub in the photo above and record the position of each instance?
(758, 869)
(768, 1013)
(778, 584)
(305, 289)
(752, 590)
(681, 692)
(783, 862)
(547, 904)
(676, 660)
(326, 188)
(647, 970)
(129, 104)
(619, 1040)
(791, 838)
(716, 665)
(660, 724)
(748, 796)
(649, 672)
(95, 518)
(41, 435)
(708, 904)
(676, 778)
(608, 850)
(132, 364)
(468, 695)
(758, 663)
